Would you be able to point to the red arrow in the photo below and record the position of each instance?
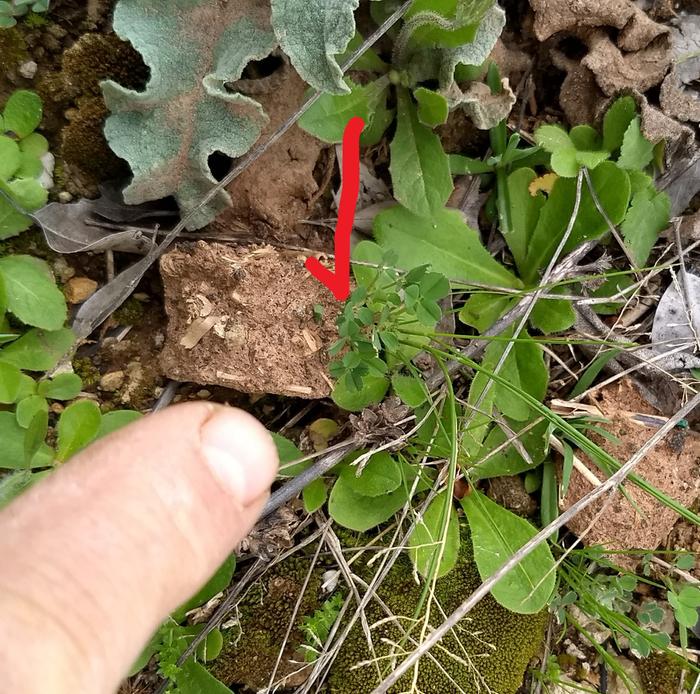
(339, 281)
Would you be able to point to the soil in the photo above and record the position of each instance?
(274, 195)
(673, 467)
(255, 308)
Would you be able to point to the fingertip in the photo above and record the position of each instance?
(240, 454)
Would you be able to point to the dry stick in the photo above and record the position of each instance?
(323, 529)
(613, 230)
(685, 287)
(484, 589)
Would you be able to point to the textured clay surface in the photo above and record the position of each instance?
(673, 466)
(244, 318)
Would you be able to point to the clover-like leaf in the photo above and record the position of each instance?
(186, 113)
(312, 34)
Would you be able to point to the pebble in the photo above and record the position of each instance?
(64, 196)
(28, 69)
(203, 394)
(78, 289)
(112, 381)
(62, 270)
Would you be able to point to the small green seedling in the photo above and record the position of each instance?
(23, 153)
(11, 9)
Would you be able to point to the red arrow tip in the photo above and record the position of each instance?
(338, 281)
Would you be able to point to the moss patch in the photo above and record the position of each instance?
(660, 672)
(493, 648)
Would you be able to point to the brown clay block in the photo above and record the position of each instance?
(243, 318)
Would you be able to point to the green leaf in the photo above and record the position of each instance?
(459, 26)
(288, 452)
(525, 369)
(612, 187)
(420, 169)
(314, 495)
(496, 535)
(329, 116)
(11, 221)
(77, 427)
(115, 420)
(10, 380)
(63, 387)
(215, 585)
(476, 52)
(35, 145)
(12, 437)
(637, 152)
(38, 350)
(28, 193)
(194, 678)
(312, 35)
(553, 138)
(380, 475)
(462, 166)
(358, 512)
(186, 112)
(553, 315)
(9, 157)
(648, 216)
(28, 407)
(589, 375)
(369, 61)
(482, 310)
(410, 389)
(524, 214)
(347, 397)
(616, 121)
(432, 107)
(35, 435)
(586, 139)
(444, 242)
(436, 534)
(571, 152)
(507, 460)
(11, 486)
(32, 294)
(23, 113)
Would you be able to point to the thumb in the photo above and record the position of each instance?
(93, 558)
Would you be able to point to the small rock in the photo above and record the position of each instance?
(62, 270)
(28, 69)
(616, 685)
(64, 196)
(203, 394)
(56, 407)
(78, 289)
(112, 381)
(136, 378)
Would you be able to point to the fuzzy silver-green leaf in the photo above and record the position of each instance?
(186, 113)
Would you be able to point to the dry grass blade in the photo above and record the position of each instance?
(609, 485)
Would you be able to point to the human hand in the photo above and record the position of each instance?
(93, 558)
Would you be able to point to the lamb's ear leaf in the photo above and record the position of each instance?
(312, 34)
(186, 112)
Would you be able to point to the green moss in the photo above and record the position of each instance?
(87, 371)
(496, 644)
(33, 20)
(661, 672)
(84, 148)
(86, 157)
(13, 49)
(250, 652)
(130, 313)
